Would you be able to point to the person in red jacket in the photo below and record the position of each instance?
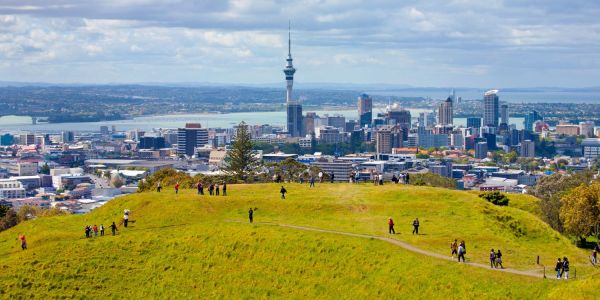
(23, 242)
(177, 188)
(391, 226)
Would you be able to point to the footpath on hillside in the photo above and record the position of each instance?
(399, 243)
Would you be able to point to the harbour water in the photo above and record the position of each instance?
(212, 120)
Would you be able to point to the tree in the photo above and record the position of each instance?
(3, 210)
(117, 181)
(242, 159)
(550, 189)
(45, 169)
(580, 211)
(9, 220)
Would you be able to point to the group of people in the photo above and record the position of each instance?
(403, 178)
(92, 231)
(458, 249)
(213, 189)
(562, 268)
(415, 225)
(496, 259)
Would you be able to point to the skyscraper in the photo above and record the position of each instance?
(365, 110)
(504, 114)
(396, 115)
(491, 109)
(294, 108)
(445, 112)
(474, 122)
(388, 137)
(191, 137)
(530, 118)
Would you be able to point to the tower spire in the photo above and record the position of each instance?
(289, 38)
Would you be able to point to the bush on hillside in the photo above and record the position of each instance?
(430, 179)
(496, 198)
(3, 210)
(580, 211)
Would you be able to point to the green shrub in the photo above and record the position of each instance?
(496, 198)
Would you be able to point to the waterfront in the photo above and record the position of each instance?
(212, 120)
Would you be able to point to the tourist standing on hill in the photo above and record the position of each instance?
(251, 215)
(87, 231)
(312, 181)
(101, 229)
(499, 259)
(594, 257)
(158, 186)
(394, 179)
(113, 228)
(492, 259)
(211, 188)
(391, 226)
(177, 188)
(380, 179)
(224, 188)
(407, 178)
(23, 242)
(217, 189)
(332, 177)
(558, 268)
(95, 228)
(126, 218)
(462, 250)
(565, 267)
(454, 248)
(356, 177)
(416, 226)
(200, 187)
(283, 191)
(320, 177)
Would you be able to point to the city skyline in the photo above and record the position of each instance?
(456, 43)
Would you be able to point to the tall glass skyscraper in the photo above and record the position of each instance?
(365, 110)
(491, 108)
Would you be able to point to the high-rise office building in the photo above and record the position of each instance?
(191, 137)
(6, 139)
(337, 121)
(586, 129)
(68, 136)
(491, 109)
(152, 142)
(309, 122)
(365, 110)
(504, 114)
(481, 150)
(388, 137)
(527, 149)
(294, 108)
(530, 119)
(474, 122)
(445, 112)
(399, 116)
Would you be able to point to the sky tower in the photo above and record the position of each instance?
(294, 108)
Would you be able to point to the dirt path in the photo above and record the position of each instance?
(402, 244)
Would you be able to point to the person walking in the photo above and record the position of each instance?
(101, 229)
(251, 215)
(492, 259)
(320, 177)
(95, 228)
(454, 248)
(217, 189)
(565, 268)
(158, 186)
(332, 177)
(126, 218)
(87, 231)
(499, 259)
(23, 242)
(113, 228)
(356, 177)
(176, 189)
(558, 268)
(416, 226)
(380, 179)
(462, 250)
(211, 188)
(312, 182)
(200, 188)
(391, 226)
(594, 257)
(224, 188)
(283, 191)
(407, 178)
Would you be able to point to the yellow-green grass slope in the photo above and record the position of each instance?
(181, 247)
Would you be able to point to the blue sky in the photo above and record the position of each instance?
(469, 43)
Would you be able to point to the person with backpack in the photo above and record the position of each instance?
(462, 250)
(391, 226)
(113, 228)
(454, 248)
(101, 229)
(499, 259)
(416, 226)
(283, 191)
(200, 188)
(558, 268)
(224, 188)
(492, 259)
(565, 267)
(126, 218)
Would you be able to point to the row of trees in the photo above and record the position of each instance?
(10, 218)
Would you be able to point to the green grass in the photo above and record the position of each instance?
(181, 247)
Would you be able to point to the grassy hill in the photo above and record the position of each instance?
(182, 246)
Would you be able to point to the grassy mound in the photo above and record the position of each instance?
(181, 247)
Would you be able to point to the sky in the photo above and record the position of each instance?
(445, 43)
